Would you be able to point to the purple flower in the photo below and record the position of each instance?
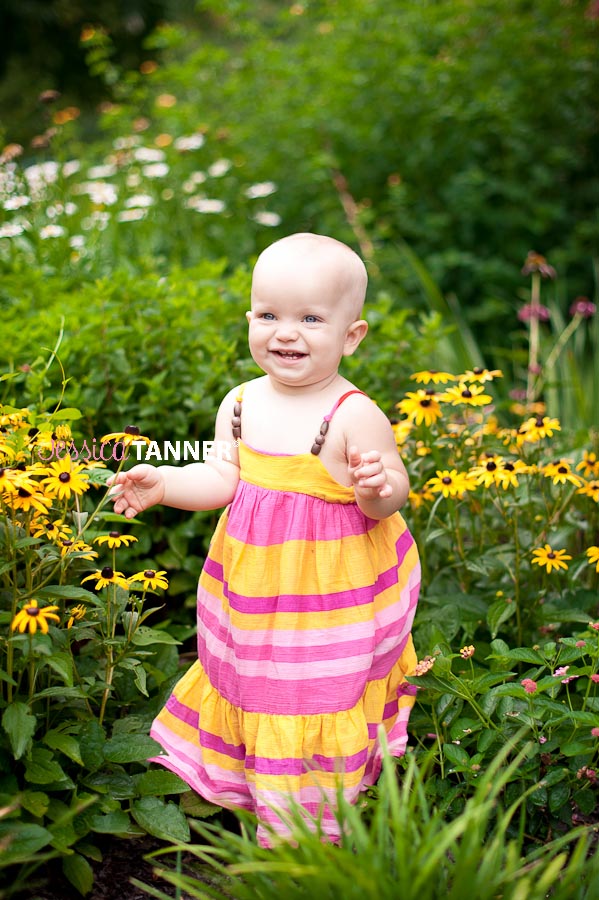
(534, 311)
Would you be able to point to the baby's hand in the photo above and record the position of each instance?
(368, 474)
(136, 490)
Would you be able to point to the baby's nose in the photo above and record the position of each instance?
(287, 331)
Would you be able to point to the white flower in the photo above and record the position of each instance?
(157, 170)
(42, 173)
(148, 154)
(70, 208)
(77, 242)
(192, 142)
(133, 179)
(106, 171)
(204, 205)
(220, 167)
(262, 189)
(125, 143)
(100, 192)
(51, 231)
(70, 167)
(11, 229)
(16, 202)
(132, 215)
(267, 218)
(139, 200)
(192, 182)
(97, 220)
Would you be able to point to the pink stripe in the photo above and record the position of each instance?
(265, 766)
(260, 517)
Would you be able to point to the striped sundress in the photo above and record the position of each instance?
(305, 607)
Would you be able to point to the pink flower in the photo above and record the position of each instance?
(529, 685)
(533, 311)
(584, 307)
(561, 671)
(595, 678)
(580, 644)
(594, 625)
(542, 740)
(595, 732)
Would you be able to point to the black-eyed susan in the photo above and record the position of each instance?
(150, 579)
(509, 471)
(69, 547)
(129, 436)
(481, 375)
(432, 375)
(421, 406)
(115, 539)
(65, 478)
(32, 617)
(488, 471)
(76, 613)
(590, 489)
(550, 558)
(402, 431)
(466, 394)
(593, 555)
(538, 427)
(450, 483)
(107, 576)
(589, 465)
(55, 530)
(422, 495)
(561, 472)
(26, 501)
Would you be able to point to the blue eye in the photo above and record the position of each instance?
(311, 319)
(268, 316)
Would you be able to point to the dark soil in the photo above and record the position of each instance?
(122, 860)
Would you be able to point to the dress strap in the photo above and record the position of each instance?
(319, 439)
(236, 420)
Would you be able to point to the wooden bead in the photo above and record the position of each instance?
(237, 409)
(324, 427)
(236, 432)
(316, 448)
(319, 439)
(236, 421)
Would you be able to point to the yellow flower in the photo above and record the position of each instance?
(482, 375)
(26, 500)
(65, 478)
(560, 472)
(31, 617)
(593, 555)
(417, 498)
(432, 375)
(76, 613)
(127, 437)
(450, 483)
(551, 559)
(488, 472)
(467, 652)
(420, 406)
(115, 539)
(539, 427)
(591, 489)
(54, 531)
(107, 576)
(589, 465)
(467, 394)
(402, 431)
(84, 551)
(150, 579)
(510, 470)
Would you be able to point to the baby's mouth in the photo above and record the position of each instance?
(289, 354)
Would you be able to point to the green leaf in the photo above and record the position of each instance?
(24, 841)
(19, 723)
(126, 748)
(62, 664)
(525, 654)
(66, 743)
(163, 820)
(146, 636)
(35, 802)
(558, 797)
(498, 613)
(457, 756)
(79, 872)
(573, 748)
(42, 768)
(69, 412)
(119, 785)
(92, 739)
(111, 823)
(139, 676)
(194, 805)
(157, 782)
(65, 592)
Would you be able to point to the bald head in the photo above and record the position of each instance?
(317, 265)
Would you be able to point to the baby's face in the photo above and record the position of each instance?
(299, 327)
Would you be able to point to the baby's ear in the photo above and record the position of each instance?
(248, 315)
(354, 336)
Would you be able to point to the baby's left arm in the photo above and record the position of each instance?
(379, 477)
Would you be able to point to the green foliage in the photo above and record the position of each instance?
(407, 849)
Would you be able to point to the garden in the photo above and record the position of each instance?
(453, 145)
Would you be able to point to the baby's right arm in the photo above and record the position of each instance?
(208, 485)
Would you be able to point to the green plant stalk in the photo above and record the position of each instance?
(517, 559)
(556, 352)
(533, 336)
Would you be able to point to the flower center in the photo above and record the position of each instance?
(539, 422)
(508, 466)
(562, 470)
(107, 572)
(149, 573)
(551, 555)
(132, 429)
(446, 480)
(24, 493)
(425, 403)
(477, 371)
(114, 534)
(467, 394)
(491, 466)
(64, 477)
(32, 611)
